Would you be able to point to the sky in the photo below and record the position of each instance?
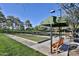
(35, 12)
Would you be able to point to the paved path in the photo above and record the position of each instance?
(41, 47)
(22, 40)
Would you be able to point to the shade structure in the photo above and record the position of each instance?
(54, 21)
(56, 25)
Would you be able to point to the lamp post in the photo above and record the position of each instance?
(52, 11)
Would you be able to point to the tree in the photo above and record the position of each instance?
(15, 23)
(10, 22)
(40, 28)
(2, 20)
(72, 13)
(21, 25)
(18, 23)
(28, 24)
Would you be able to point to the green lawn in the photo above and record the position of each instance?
(36, 38)
(9, 47)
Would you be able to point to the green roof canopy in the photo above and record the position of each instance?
(55, 21)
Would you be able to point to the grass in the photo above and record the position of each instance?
(9, 47)
(36, 38)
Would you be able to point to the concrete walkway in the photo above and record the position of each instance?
(22, 40)
(41, 47)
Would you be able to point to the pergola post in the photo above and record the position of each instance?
(59, 26)
(59, 32)
(68, 50)
(51, 36)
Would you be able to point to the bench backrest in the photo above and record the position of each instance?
(58, 43)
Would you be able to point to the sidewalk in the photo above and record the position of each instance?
(42, 47)
(22, 40)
